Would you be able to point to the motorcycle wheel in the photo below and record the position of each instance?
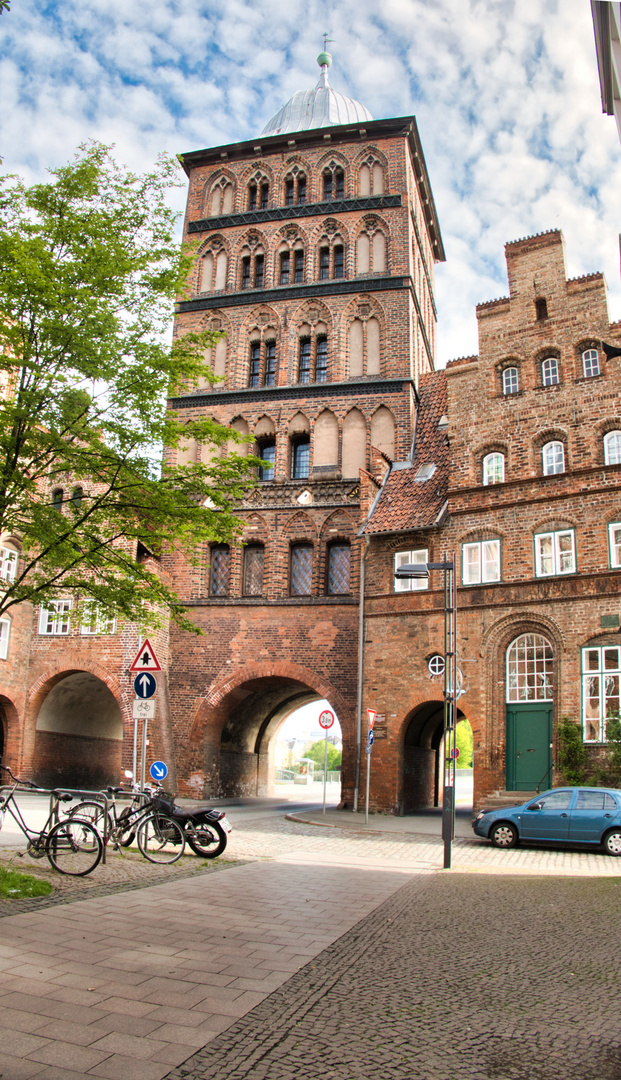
(206, 838)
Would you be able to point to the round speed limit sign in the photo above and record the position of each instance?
(326, 719)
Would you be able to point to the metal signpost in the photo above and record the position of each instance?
(371, 713)
(145, 685)
(452, 688)
(326, 720)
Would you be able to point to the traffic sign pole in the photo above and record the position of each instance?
(369, 745)
(326, 720)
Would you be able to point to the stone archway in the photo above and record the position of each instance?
(79, 734)
(422, 759)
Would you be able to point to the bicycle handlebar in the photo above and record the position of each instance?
(24, 783)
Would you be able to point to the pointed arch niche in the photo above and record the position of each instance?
(364, 339)
(326, 448)
(354, 444)
(383, 432)
(215, 356)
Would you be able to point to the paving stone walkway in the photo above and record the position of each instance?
(321, 953)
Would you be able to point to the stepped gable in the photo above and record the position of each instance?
(406, 504)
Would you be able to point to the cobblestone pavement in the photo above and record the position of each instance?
(324, 953)
(455, 977)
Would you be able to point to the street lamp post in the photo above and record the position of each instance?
(421, 570)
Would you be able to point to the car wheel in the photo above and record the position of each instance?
(612, 842)
(503, 835)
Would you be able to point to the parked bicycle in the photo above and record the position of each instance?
(72, 845)
(205, 829)
(160, 839)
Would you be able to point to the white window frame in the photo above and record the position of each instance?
(54, 620)
(590, 363)
(510, 381)
(601, 680)
(556, 555)
(491, 468)
(615, 543)
(616, 442)
(5, 633)
(480, 562)
(420, 555)
(101, 622)
(553, 456)
(551, 377)
(8, 563)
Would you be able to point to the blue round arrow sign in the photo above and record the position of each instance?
(158, 770)
(145, 685)
(371, 738)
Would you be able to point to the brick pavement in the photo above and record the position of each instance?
(132, 984)
(455, 977)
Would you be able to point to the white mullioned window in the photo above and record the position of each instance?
(421, 555)
(614, 538)
(601, 670)
(612, 448)
(555, 553)
(530, 666)
(549, 371)
(8, 563)
(590, 363)
(54, 618)
(5, 631)
(510, 381)
(480, 562)
(493, 469)
(553, 457)
(95, 619)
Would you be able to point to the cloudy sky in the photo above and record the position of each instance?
(505, 93)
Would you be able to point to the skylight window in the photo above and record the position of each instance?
(425, 472)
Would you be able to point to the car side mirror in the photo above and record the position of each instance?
(535, 806)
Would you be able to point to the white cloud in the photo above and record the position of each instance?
(505, 93)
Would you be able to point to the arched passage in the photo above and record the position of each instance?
(236, 728)
(422, 762)
(79, 734)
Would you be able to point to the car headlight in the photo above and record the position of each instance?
(481, 814)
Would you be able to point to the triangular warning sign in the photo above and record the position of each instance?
(146, 659)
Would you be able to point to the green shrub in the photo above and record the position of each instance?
(573, 757)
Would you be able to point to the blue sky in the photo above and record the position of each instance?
(505, 94)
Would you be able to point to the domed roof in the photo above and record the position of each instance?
(317, 108)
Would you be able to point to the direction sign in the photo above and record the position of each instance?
(145, 685)
(146, 660)
(371, 738)
(143, 710)
(326, 719)
(371, 714)
(158, 770)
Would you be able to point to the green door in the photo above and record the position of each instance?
(529, 753)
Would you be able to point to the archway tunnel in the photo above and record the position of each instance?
(256, 710)
(79, 734)
(423, 756)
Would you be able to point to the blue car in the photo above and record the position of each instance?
(572, 815)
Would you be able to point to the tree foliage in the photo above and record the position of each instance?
(573, 759)
(316, 751)
(89, 271)
(464, 743)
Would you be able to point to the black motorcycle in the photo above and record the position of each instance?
(206, 830)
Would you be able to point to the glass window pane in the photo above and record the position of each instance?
(491, 560)
(565, 548)
(301, 459)
(471, 568)
(612, 448)
(611, 658)
(558, 800)
(301, 569)
(529, 669)
(253, 570)
(590, 800)
(615, 544)
(267, 453)
(545, 556)
(590, 363)
(338, 568)
(219, 571)
(510, 383)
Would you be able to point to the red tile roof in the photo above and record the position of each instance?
(406, 504)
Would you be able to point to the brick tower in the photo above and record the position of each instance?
(316, 249)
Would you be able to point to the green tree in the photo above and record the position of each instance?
(572, 753)
(464, 743)
(316, 751)
(89, 272)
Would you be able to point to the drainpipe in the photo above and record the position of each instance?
(360, 668)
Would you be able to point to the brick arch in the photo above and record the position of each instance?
(216, 696)
(300, 527)
(246, 174)
(211, 183)
(370, 150)
(302, 314)
(343, 522)
(251, 237)
(551, 523)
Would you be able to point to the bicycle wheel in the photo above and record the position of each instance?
(93, 812)
(74, 847)
(206, 838)
(125, 838)
(160, 839)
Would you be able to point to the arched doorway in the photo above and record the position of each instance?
(79, 734)
(423, 775)
(530, 671)
(236, 727)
